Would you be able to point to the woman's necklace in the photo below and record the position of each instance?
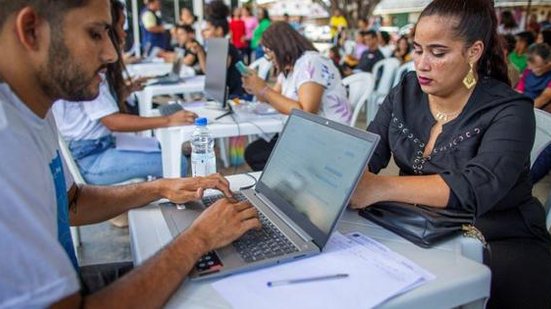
(441, 116)
(444, 117)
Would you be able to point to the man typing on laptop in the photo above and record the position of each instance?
(53, 50)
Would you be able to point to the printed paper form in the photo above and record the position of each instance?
(375, 275)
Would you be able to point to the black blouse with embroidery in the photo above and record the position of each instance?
(483, 154)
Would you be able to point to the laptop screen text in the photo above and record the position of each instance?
(312, 172)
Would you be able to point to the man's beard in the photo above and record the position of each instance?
(62, 77)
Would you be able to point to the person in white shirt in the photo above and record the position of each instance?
(306, 81)
(384, 44)
(56, 50)
(87, 127)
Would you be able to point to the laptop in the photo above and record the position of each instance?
(173, 76)
(304, 189)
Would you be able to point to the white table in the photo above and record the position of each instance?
(171, 139)
(459, 281)
(189, 85)
(149, 69)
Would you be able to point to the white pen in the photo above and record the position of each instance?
(304, 280)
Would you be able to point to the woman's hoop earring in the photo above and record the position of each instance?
(469, 81)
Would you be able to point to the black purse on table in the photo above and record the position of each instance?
(422, 225)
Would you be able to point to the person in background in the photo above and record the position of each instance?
(185, 38)
(251, 22)
(384, 44)
(306, 81)
(508, 24)
(362, 24)
(87, 126)
(237, 31)
(509, 43)
(335, 56)
(154, 33)
(217, 26)
(187, 18)
(536, 84)
(337, 22)
(461, 137)
(263, 24)
(544, 37)
(518, 56)
(535, 81)
(533, 25)
(403, 50)
(40, 199)
(372, 55)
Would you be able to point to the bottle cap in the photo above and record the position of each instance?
(201, 122)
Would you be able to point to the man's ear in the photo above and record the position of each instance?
(29, 28)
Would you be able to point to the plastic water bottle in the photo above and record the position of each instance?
(203, 159)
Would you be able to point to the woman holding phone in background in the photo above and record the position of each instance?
(307, 81)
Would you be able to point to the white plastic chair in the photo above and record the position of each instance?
(79, 180)
(360, 86)
(543, 133)
(542, 140)
(401, 71)
(383, 86)
(262, 66)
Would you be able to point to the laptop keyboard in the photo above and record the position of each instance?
(257, 245)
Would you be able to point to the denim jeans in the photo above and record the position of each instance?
(542, 165)
(100, 163)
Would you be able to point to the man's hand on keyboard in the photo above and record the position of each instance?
(182, 190)
(224, 222)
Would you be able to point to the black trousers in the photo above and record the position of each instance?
(95, 277)
(258, 152)
(521, 274)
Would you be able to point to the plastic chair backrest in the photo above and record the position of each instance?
(71, 163)
(263, 66)
(360, 86)
(401, 72)
(388, 67)
(543, 133)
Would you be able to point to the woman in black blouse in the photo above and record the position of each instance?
(462, 139)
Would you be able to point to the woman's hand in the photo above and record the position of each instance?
(137, 84)
(182, 190)
(254, 84)
(368, 192)
(181, 118)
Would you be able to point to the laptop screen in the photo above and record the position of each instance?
(216, 70)
(313, 171)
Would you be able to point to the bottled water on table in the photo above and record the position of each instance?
(203, 159)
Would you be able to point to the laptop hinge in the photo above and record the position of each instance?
(300, 232)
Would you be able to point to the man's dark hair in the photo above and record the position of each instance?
(217, 13)
(542, 49)
(527, 37)
(186, 28)
(385, 36)
(509, 41)
(371, 33)
(50, 10)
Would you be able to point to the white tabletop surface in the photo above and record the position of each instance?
(459, 280)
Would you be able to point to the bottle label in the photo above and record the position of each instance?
(203, 164)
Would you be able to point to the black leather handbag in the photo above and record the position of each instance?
(422, 225)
